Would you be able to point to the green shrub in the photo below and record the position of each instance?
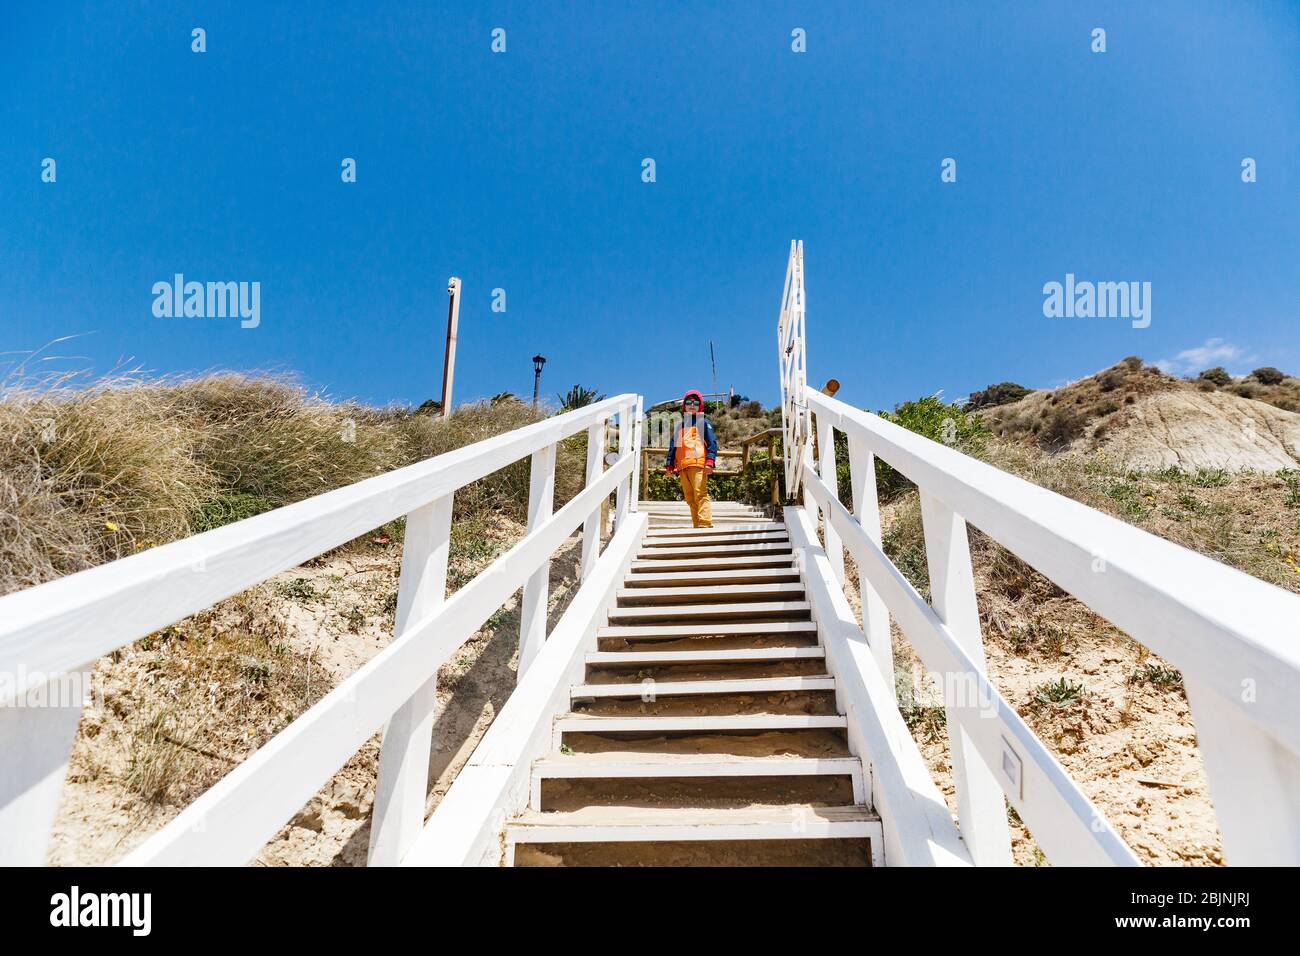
(930, 417)
(1003, 393)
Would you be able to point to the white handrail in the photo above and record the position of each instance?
(56, 627)
(1235, 638)
(229, 823)
(1068, 827)
(1218, 625)
(494, 784)
(796, 422)
(63, 626)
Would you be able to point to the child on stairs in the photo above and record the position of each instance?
(691, 455)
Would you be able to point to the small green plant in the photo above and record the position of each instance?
(1058, 692)
(1157, 674)
(495, 619)
(1048, 637)
(299, 589)
(930, 721)
(1128, 495)
(256, 671)
(1291, 478)
(224, 509)
(1207, 478)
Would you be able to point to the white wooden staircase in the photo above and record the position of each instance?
(705, 697)
(706, 728)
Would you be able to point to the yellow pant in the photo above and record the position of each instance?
(695, 488)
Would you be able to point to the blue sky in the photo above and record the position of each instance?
(522, 171)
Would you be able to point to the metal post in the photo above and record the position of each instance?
(449, 358)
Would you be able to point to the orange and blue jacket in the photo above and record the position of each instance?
(693, 443)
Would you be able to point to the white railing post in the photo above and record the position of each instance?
(533, 610)
(826, 468)
(1254, 781)
(624, 444)
(866, 508)
(591, 529)
(637, 427)
(981, 805)
(36, 736)
(403, 784)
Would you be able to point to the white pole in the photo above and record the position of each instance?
(449, 361)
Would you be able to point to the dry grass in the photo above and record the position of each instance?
(94, 471)
(1054, 420)
(89, 475)
(214, 688)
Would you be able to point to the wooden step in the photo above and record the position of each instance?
(684, 524)
(738, 529)
(559, 766)
(637, 824)
(670, 579)
(713, 594)
(712, 541)
(714, 551)
(739, 655)
(669, 564)
(732, 515)
(710, 612)
(663, 688)
(668, 632)
(718, 522)
(681, 507)
(727, 723)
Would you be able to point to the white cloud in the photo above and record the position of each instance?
(1213, 352)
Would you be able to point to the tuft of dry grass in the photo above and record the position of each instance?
(94, 471)
(87, 475)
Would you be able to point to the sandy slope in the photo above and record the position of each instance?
(1190, 429)
(331, 615)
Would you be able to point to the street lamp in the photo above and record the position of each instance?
(538, 362)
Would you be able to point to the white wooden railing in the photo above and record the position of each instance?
(53, 633)
(1235, 638)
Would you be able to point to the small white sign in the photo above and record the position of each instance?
(1013, 768)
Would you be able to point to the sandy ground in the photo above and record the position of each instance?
(325, 620)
